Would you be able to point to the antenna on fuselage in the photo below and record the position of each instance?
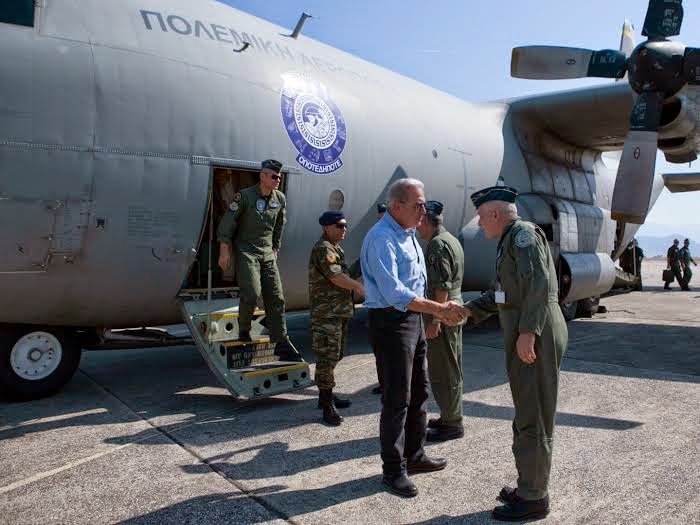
(299, 25)
(245, 46)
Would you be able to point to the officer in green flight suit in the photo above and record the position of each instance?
(445, 267)
(673, 263)
(253, 226)
(535, 337)
(685, 258)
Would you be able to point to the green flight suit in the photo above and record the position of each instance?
(331, 309)
(528, 277)
(673, 258)
(445, 265)
(253, 225)
(686, 259)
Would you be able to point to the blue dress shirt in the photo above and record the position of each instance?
(393, 265)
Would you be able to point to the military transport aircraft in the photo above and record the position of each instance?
(126, 127)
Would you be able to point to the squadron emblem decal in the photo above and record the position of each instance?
(314, 123)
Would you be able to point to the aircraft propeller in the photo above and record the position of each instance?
(657, 69)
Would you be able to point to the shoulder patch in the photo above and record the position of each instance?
(330, 258)
(524, 238)
(237, 197)
(233, 206)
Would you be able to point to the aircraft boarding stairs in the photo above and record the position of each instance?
(248, 369)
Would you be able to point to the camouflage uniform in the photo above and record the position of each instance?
(253, 225)
(528, 278)
(445, 268)
(331, 309)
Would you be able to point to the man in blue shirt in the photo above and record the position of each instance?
(395, 279)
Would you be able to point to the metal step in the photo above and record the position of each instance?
(249, 369)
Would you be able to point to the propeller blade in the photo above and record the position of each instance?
(552, 62)
(635, 175)
(664, 19)
(691, 65)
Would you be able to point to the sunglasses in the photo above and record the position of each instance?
(417, 205)
(276, 177)
(341, 226)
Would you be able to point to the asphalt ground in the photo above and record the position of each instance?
(148, 436)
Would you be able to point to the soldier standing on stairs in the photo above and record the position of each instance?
(332, 306)
(252, 228)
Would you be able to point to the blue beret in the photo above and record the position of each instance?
(494, 193)
(381, 208)
(330, 217)
(272, 165)
(433, 208)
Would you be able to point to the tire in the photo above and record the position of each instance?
(36, 362)
(568, 310)
(587, 307)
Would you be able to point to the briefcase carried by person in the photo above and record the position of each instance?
(667, 275)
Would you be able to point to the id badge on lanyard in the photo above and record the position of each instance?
(500, 295)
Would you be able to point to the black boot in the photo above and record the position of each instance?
(339, 402)
(330, 413)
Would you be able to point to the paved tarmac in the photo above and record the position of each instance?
(148, 436)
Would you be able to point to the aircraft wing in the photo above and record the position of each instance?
(680, 182)
(592, 118)
(599, 118)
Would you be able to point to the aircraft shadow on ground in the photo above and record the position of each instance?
(180, 374)
(227, 508)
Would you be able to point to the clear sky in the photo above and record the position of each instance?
(463, 47)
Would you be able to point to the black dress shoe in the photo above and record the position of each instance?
(339, 402)
(522, 509)
(426, 465)
(444, 433)
(507, 495)
(435, 422)
(400, 484)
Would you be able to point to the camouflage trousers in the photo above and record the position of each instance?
(328, 338)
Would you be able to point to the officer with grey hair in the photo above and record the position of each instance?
(445, 263)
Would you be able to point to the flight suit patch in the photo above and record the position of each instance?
(432, 258)
(233, 206)
(260, 205)
(274, 204)
(237, 197)
(330, 258)
(524, 238)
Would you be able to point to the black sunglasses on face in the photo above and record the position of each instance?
(276, 177)
(341, 226)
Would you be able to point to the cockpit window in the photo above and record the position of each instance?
(18, 12)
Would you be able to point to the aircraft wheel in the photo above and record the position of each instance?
(36, 362)
(569, 310)
(587, 307)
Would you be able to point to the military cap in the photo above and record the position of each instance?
(330, 217)
(494, 193)
(272, 165)
(381, 208)
(433, 208)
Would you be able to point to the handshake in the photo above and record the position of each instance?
(452, 313)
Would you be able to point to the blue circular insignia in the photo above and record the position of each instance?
(314, 123)
(260, 205)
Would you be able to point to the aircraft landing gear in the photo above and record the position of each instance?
(36, 362)
(569, 310)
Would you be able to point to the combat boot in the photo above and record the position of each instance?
(330, 413)
(339, 402)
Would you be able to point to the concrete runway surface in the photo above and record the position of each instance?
(148, 436)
